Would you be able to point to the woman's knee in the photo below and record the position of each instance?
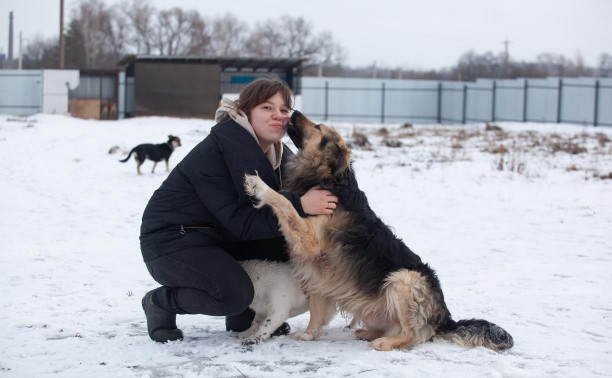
(236, 297)
(232, 296)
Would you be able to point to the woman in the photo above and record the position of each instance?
(200, 222)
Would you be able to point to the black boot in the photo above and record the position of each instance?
(161, 323)
(242, 322)
(283, 330)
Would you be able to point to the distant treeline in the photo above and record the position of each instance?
(98, 35)
(472, 65)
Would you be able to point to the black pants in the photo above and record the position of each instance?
(209, 280)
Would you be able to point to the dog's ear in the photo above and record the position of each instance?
(341, 161)
(339, 172)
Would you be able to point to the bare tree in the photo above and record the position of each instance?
(172, 27)
(97, 35)
(75, 46)
(293, 37)
(199, 37)
(117, 29)
(180, 32)
(299, 41)
(472, 65)
(580, 68)
(228, 36)
(41, 52)
(91, 20)
(141, 16)
(554, 64)
(329, 52)
(266, 40)
(604, 68)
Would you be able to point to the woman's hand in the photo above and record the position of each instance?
(317, 201)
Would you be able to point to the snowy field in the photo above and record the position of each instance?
(518, 225)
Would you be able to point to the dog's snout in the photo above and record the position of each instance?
(295, 116)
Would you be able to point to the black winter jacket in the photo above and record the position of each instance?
(206, 189)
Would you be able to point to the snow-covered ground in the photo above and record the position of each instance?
(522, 239)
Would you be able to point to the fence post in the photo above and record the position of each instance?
(382, 114)
(42, 91)
(439, 102)
(100, 97)
(464, 103)
(125, 92)
(525, 91)
(326, 101)
(559, 99)
(493, 102)
(595, 116)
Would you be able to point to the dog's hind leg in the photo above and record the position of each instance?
(369, 334)
(412, 305)
(354, 323)
(405, 338)
(300, 233)
(321, 313)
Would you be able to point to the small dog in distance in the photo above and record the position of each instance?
(154, 152)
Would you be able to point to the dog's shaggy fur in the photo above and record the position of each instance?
(353, 262)
(278, 297)
(155, 152)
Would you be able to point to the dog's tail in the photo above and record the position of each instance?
(475, 332)
(128, 157)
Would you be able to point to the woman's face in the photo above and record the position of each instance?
(267, 120)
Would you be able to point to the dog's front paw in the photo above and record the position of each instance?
(255, 187)
(382, 344)
(302, 336)
(251, 340)
(245, 334)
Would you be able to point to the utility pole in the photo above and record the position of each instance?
(61, 35)
(20, 49)
(10, 41)
(506, 59)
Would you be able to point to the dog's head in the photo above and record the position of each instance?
(321, 148)
(174, 141)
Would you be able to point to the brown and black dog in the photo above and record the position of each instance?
(351, 261)
(155, 152)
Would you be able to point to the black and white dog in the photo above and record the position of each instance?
(155, 152)
(278, 297)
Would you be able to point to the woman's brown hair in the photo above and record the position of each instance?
(260, 90)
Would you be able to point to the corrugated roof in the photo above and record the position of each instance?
(237, 63)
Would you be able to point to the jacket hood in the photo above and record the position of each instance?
(228, 108)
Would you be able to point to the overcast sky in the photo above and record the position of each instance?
(395, 33)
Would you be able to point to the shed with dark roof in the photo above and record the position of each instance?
(191, 86)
